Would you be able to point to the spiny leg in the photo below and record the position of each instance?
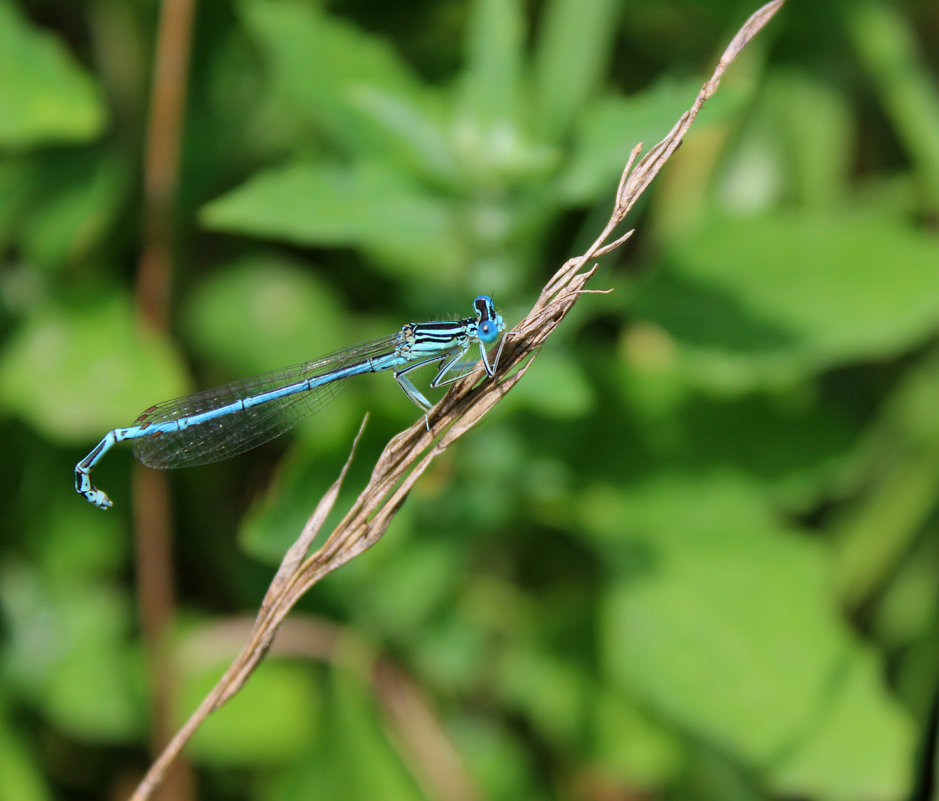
(413, 392)
(453, 363)
(462, 368)
(417, 398)
(495, 362)
(465, 368)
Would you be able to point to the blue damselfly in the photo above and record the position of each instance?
(218, 423)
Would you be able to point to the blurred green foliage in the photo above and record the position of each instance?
(692, 555)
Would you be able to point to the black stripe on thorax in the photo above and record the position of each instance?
(441, 333)
(447, 327)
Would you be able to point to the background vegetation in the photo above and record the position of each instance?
(692, 555)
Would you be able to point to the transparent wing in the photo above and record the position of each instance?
(243, 429)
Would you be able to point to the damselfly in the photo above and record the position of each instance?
(217, 423)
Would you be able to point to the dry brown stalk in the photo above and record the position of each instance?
(411, 452)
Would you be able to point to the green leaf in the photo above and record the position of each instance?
(96, 356)
(774, 299)
(70, 653)
(887, 46)
(412, 132)
(21, 774)
(490, 82)
(556, 388)
(403, 598)
(364, 97)
(261, 313)
(44, 96)
(552, 692)
(492, 120)
(724, 625)
(862, 747)
(272, 720)
(366, 206)
(93, 690)
(611, 127)
(789, 444)
(59, 205)
(67, 543)
(272, 524)
(18, 193)
(632, 746)
(362, 89)
(497, 757)
(793, 109)
(572, 52)
(301, 41)
(72, 220)
(373, 769)
(769, 165)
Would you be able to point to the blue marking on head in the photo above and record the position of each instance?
(487, 331)
(489, 322)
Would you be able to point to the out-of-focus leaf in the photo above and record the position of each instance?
(273, 523)
(571, 55)
(367, 206)
(362, 748)
(724, 625)
(906, 612)
(550, 691)
(400, 601)
(757, 177)
(816, 122)
(364, 97)
(349, 83)
(302, 41)
(895, 478)
(44, 96)
(262, 313)
(611, 127)
(68, 543)
(451, 653)
(556, 389)
(630, 745)
(495, 756)
(315, 775)
(492, 126)
(492, 76)
(75, 372)
(775, 299)
(68, 650)
(712, 774)
(58, 205)
(771, 162)
(862, 747)
(272, 720)
(490, 462)
(915, 676)
(74, 219)
(17, 192)
(887, 46)
(494, 158)
(684, 191)
(788, 444)
(21, 776)
(413, 132)
(93, 691)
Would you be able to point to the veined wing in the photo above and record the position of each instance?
(241, 428)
